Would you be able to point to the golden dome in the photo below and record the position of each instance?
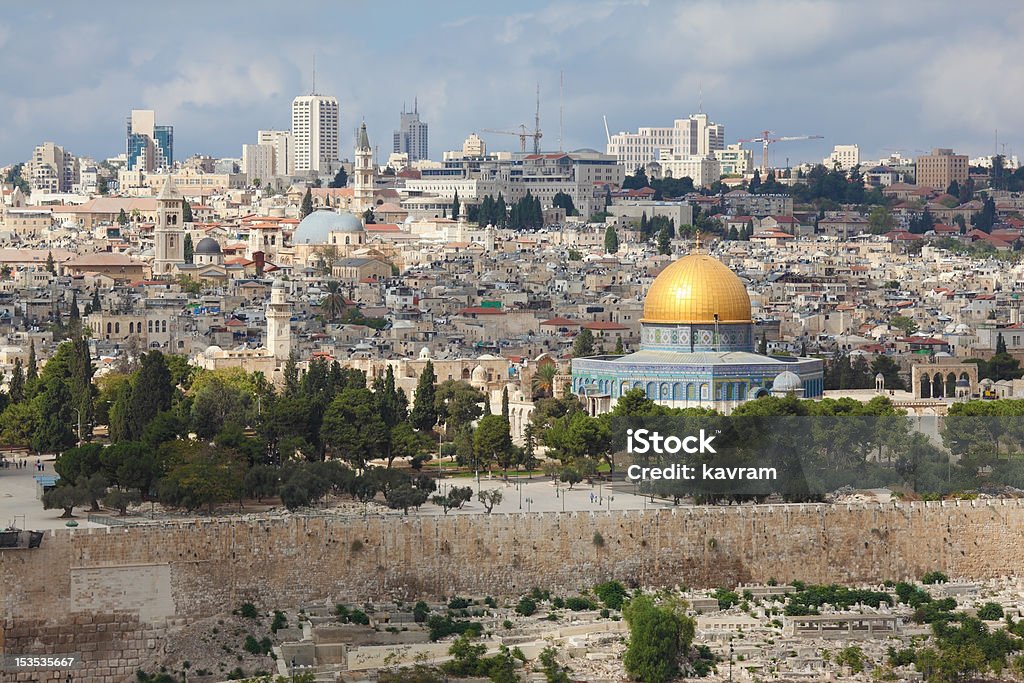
(693, 290)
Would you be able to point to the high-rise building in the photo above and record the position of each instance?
(258, 162)
(315, 122)
(735, 160)
(52, 169)
(284, 153)
(845, 157)
(693, 136)
(940, 168)
(150, 147)
(411, 136)
(169, 231)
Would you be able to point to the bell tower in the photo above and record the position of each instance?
(169, 232)
(362, 197)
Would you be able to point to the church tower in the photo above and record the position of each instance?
(169, 232)
(279, 326)
(362, 198)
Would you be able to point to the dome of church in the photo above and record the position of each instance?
(314, 228)
(787, 382)
(208, 246)
(479, 374)
(695, 289)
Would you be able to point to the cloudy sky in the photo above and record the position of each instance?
(903, 74)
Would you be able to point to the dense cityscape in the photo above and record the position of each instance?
(347, 405)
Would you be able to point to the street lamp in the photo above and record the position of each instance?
(79, 413)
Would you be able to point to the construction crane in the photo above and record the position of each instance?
(767, 139)
(523, 131)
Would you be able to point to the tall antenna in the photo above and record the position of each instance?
(561, 106)
(314, 73)
(700, 98)
(536, 125)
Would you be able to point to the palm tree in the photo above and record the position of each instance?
(333, 303)
(544, 380)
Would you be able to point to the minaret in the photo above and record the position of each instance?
(169, 232)
(489, 240)
(363, 195)
(279, 327)
(462, 224)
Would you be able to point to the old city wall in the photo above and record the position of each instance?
(107, 593)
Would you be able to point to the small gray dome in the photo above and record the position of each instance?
(315, 228)
(208, 246)
(786, 382)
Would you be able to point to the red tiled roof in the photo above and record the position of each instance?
(560, 322)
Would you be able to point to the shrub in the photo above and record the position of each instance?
(990, 611)
(611, 593)
(580, 604)
(248, 610)
(526, 606)
(279, 621)
(933, 578)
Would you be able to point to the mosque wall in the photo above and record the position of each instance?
(83, 585)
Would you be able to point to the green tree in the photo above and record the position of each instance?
(492, 442)
(200, 475)
(890, 370)
(543, 381)
(53, 404)
(664, 242)
(16, 387)
(333, 303)
(880, 220)
(564, 201)
(455, 205)
(340, 179)
(658, 638)
(457, 404)
(307, 204)
(489, 498)
(550, 667)
(122, 218)
(190, 250)
(904, 324)
(50, 265)
(152, 392)
(353, 428)
(504, 404)
(186, 215)
(424, 411)
(66, 497)
(611, 240)
(583, 344)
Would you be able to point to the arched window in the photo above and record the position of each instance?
(117, 328)
(108, 328)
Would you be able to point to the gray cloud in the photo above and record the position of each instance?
(912, 74)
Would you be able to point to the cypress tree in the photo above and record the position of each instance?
(504, 403)
(424, 412)
(16, 388)
(307, 204)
